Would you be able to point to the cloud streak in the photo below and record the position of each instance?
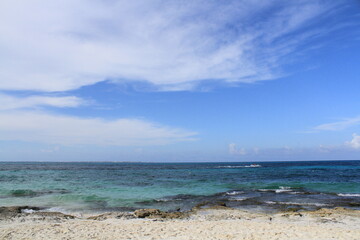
(66, 130)
(10, 103)
(340, 125)
(174, 45)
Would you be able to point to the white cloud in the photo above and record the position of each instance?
(9, 102)
(355, 142)
(340, 125)
(234, 150)
(61, 45)
(58, 129)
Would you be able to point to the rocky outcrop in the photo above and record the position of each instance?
(156, 213)
(28, 213)
(16, 209)
(143, 213)
(116, 215)
(210, 205)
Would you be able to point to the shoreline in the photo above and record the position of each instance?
(259, 200)
(218, 222)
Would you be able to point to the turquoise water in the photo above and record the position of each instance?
(98, 187)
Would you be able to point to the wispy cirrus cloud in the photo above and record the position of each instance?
(339, 125)
(63, 44)
(60, 129)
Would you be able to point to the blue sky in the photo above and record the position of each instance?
(179, 81)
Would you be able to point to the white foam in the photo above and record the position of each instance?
(63, 210)
(28, 210)
(349, 194)
(280, 190)
(230, 167)
(266, 190)
(238, 198)
(296, 193)
(55, 209)
(300, 204)
(253, 165)
(231, 193)
(283, 189)
(162, 200)
(246, 166)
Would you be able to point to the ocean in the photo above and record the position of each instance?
(101, 187)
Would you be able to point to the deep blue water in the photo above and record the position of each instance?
(126, 186)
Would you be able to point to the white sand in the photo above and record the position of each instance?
(206, 224)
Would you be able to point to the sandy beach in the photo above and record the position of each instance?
(220, 223)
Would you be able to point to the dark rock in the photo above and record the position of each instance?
(16, 209)
(117, 215)
(142, 213)
(293, 209)
(210, 205)
(200, 205)
(173, 215)
(54, 215)
(156, 213)
(17, 212)
(221, 204)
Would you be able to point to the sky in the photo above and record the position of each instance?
(179, 81)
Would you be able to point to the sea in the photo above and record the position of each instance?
(96, 187)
